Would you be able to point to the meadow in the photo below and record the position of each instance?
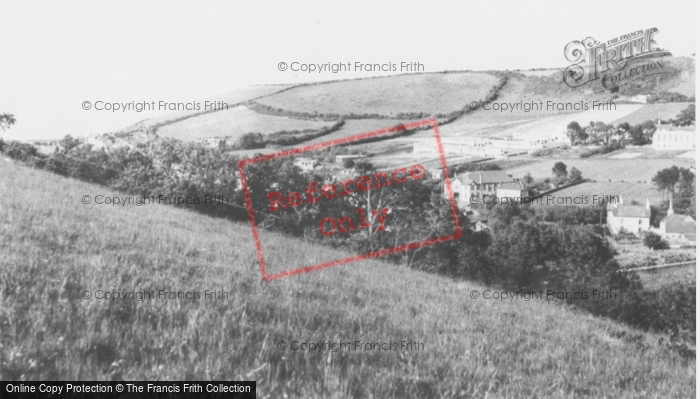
(605, 169)
(357, 126)
(653, 112)
(53, 248)
(430, 93)
(628, 190)
(235, 122)
(232, 98)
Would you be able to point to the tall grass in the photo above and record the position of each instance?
(53, 247)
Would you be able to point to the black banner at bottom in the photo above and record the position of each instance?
(127, 390)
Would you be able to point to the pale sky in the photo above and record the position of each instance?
(55, 55)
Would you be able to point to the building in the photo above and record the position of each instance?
(541, 137)
(511, 190)
(677, 229)
(435, 173)
(639, 98)
(306, 164)
(629, 218)
(463, 145)
(669, 137)
(476, 184)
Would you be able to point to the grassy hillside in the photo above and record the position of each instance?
(235, 122)
(653, 112)
(429, 93)
(604, 169)
(628, 190)
(53, 247)
(231, 98)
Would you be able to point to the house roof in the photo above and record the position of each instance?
(631, 211)
(510, 186)
(679, 224)
(487, 177)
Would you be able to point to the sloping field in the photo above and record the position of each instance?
(53, 248)
(231, 98)
(653, 112)
(497, 124)
(357, 126)
(593, 192)
(428, 93)
(616, 170)
(235, 122)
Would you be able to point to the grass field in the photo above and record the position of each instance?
(502, 124)
(235, 122)
(357, 126)
(231, 98)
(657, 279)
(628, 190)
(430, 93)
(53, 247)
(604, 169)
(653, 112)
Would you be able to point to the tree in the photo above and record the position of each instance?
(575, 175)
(665, 180)
(654, 241)
(348, 163)
(68, 143)
(7, 120)
(559, 170)
(528, 180)
(251, 141)
(575, 132)
(364, 167)
(687, 116)
(686, 184)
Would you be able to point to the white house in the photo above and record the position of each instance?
(630, 218)
(511, 190)
(669, 137)
(678, 229)
(306, 164)
(476, 184)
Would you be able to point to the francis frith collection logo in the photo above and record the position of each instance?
(615, 63)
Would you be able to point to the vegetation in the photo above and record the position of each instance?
(473, 348)
(7, 120)
(606, 149)
(412, 96)
(655, 241)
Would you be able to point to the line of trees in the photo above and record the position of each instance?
(614, 137)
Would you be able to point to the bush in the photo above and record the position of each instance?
(654, 241)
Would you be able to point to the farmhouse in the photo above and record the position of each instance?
(678, 229)
(630, 218)
(477, 184)
(669, 137)
(511, 190)
(306, 164)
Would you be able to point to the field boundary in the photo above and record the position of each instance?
(636, 269)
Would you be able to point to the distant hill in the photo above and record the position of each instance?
(401, 98)
(54, 248)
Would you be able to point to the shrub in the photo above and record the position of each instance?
(654, 241)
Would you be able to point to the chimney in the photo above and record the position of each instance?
(481, 175)
(670, 206)
(648, 204)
